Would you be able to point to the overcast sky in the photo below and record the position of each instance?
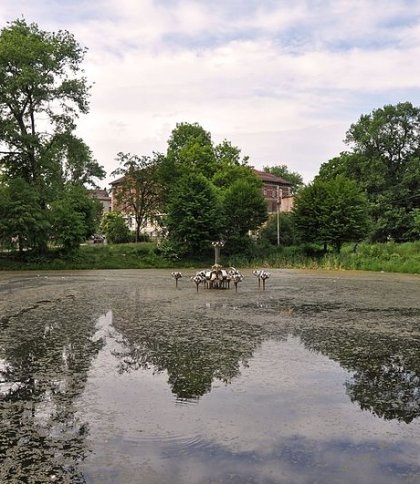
(281, 79)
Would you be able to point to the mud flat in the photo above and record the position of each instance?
(119, 376)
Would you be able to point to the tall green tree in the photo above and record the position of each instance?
(139, 191)
(194, 214)
(331, 212)
(283, 171)
(384, 160)
(244, 207)
(230, 185)
(42, 93)
(190, 148)
(227, 154)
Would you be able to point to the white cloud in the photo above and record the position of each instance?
(283, 82)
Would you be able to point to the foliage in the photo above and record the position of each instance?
(227, 154)
(73, 217)
(287, 232)
(390, 257)
(138, 192)
(190, 148)
(244, 207)
(223, 176)
(114, 228)
(21, 217)
(384, 160)
(331, 212)
(227, 174)
(291, 176)
(42, 93)
(68, 227)
(194, 216)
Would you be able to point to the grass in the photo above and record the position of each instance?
(388, 257)
(120, 256)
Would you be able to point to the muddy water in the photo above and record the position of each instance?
(118, 376)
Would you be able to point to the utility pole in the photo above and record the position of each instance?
(279, 195)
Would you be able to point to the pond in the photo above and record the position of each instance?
(120, 377)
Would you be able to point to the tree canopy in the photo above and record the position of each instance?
(331, 212)
(195, 214)
(384, 160)
(210, 191)
(42, 93)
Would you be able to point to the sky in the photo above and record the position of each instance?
(283, 80)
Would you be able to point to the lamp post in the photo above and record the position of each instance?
(279, 195)
(217, 246)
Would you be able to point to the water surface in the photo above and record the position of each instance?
(117, 376)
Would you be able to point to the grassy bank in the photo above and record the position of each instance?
(389, 257)
(99, 256)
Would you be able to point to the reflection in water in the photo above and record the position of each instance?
(386, 379)
(193, 353)
(197, 351)
(80, 401)
(44, 357)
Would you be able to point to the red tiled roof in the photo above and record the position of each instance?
(270, 178)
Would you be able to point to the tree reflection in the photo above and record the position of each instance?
(44, 358)
(386, 369)
(194, 352)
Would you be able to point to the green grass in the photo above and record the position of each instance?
(119, 256)
(388, 257)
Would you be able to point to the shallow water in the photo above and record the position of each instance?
(118, 376)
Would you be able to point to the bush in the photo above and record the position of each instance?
(115, 229)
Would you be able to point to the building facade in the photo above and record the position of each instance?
(277, 192)
(103, 197)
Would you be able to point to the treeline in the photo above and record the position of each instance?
(198, 191)
(370, 192)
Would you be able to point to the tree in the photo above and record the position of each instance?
(384, 160)
(194, 214)
(21, 217)
(74, 217)
(228, 180)
(139, 192)
(291, 176)
(114, 227)
(331, 212)
(227, 154)
(42, 92)
(68, 227)
(190, 148)
(244, 207)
